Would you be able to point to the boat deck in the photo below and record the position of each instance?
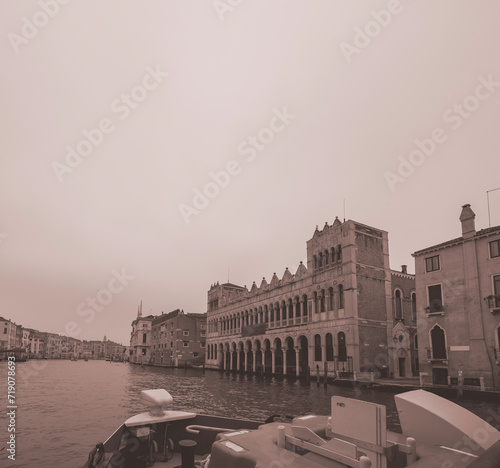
(176, 461)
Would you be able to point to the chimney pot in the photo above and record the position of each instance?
(467, 219)
(404, 268)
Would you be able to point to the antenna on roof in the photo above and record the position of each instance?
(344, 210)
(488, 199)
(228, 275)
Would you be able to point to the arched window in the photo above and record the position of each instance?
(304, 305)
(322, 300)
(317, 348)
(339, 253)
(342, 354)
(290, 309)
(320, 259)
(413, 307)
(315, 262)
(330, 300)
(341, 296)
(398, 304)
(329, 347)
(316, 303)
(415, 341)
(438, 343)
(326, 257)
(333, 254)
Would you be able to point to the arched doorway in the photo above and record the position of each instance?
(248, 346)
(278, 356)
(291, 359)
(258, 356)
(268, 357)
(303, 356)
(342, 354)
(242, 357)
(234, 357)
(402, 357)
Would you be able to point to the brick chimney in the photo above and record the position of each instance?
(467, 219)
(404, 269)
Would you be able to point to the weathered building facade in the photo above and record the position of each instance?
(178, 339)
(403, 343)
(334, 315)
(458, 297)
(10, 334)
(140, 338)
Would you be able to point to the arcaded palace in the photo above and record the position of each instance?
(345, 313)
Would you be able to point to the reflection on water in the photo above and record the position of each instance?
(69, 406)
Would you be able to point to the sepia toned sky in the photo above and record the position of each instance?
(115, 116)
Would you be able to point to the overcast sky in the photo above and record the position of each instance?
(115, 114)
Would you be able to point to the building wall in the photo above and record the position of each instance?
(404, 325)
(178, 339)
(469, 324)
(140, 348)
(348, 266)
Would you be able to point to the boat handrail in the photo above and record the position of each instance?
(195, 429)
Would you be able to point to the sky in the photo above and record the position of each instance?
(150, 149)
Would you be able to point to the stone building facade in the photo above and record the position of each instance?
(140, 338)
(178, 339)
(458, 314)
(403, 343)
(333, 315)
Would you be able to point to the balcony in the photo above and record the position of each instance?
(493, 302)
(439, 356)
(435, 309)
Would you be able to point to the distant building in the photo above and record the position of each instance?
(335, 314)
(10, 334)
(25, 339)
(114, 351)
(36, 343)
(403, 340)
(140, 338)
(178, 339)
(53, 346)
(458, 314)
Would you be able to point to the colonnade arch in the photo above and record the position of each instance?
(286, 354)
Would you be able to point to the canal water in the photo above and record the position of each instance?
(65, 407)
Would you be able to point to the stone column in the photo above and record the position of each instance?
(273, 360)
(284, 351)
(246, 360)
(297, 364)
(238, 360)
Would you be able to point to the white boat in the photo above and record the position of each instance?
(436, 434)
